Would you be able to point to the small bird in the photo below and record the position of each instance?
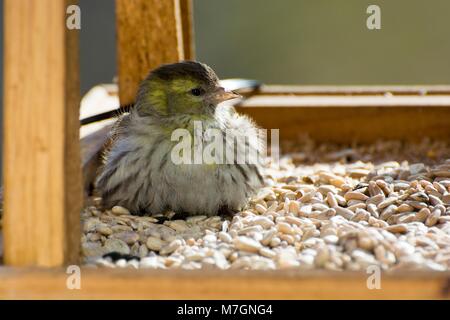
(138, 170)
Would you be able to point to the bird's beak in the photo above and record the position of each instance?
(221, 95)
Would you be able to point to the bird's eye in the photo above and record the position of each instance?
(196, 91)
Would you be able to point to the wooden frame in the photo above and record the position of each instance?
(42, 165)
(360, 114)
(42, 177)
(210, 284)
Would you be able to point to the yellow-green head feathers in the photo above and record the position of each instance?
(186, 87)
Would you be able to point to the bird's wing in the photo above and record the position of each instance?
(116, 132)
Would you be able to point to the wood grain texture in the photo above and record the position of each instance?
(1, 247)
(19, 283)
(42, 172)
(187, 24)
(149, 33)
(346, 90)
(346, 119)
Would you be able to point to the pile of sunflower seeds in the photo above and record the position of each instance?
(342, 214)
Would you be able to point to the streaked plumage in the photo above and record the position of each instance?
(138, 172)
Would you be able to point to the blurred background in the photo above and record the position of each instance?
(293, 41)
(297, 41)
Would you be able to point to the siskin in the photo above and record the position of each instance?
(138, 170)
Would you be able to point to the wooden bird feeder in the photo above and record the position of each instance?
(44, 168)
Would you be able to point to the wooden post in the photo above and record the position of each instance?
(149, 33)
(42, 174)
(187, 24)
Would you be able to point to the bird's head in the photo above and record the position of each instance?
(186, 87)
